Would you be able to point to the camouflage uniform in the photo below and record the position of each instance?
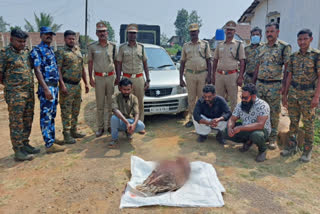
(270, 75)
(70, 62)
(251, 53)
(305, 70)
(19, 93)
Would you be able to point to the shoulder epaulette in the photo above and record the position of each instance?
(283, 43)
(92, 43)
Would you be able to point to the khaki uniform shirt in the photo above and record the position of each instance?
(271, 60)
(128, 107)
(195, 55)
(305, 67)
(132, 58)
(16, 70)
(103, 57)
(226, 54)
(70, 62)
(251, 58)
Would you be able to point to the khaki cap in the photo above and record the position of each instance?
(132, 28)
(101, 26)
(193, 27)
(231, 25)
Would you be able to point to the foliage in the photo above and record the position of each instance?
(3, 25)
(110, 30)
(163, 39)
(174, 49)
(45, 19)
(15, 27)
(82, 43)
(183, 21)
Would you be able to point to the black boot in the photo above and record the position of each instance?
(220, 138)
(202, 138)
(30, 149)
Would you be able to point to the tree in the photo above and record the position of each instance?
(15, 27)
(3, 25)
(82, 43)
(110, 30)
(181, 24)
(163, 39)
(183, 21)
(45, 19)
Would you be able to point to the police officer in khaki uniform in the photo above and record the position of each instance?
(101, 56)
(196, 60)
(227, 57)
(132, 60)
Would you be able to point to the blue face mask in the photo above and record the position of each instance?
(255, 40)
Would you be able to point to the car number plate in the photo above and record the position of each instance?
(159, 109)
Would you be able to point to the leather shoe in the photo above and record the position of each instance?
(202, 138)
(189, 124)
(246, 146)
(220, 138)
(261, 156)
(99, 133)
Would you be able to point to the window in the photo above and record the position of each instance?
(273, 17)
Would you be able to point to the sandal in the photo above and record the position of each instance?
(113, 144)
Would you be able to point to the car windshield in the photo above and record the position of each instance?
(159, 59)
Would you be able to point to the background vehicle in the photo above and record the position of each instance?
(148, 34)
(165, 95)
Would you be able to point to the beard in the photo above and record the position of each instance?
(246, 106)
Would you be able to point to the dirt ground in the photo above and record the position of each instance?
(89, 178)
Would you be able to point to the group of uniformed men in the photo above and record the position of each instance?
(268, 71)
(60, 73)
(269, 66)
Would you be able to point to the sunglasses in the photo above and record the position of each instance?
(245, 98)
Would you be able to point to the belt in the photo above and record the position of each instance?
(195, 72)
(132, 75)
(269, 81)
(249, 74)
(104, 74)
(227, 72)
(71, 82)
(52, 84)
(302, 86)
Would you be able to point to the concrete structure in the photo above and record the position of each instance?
(292, 15)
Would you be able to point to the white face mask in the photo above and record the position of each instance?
(255, 40)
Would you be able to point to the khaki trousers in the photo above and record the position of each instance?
(226, 86)
(138, 91)
(195, 84)
(104, 92)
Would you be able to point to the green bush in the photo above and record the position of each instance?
(174, 49)
(317, 128)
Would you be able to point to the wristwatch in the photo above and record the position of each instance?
(148, 80)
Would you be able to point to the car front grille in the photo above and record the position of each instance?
(172, 104)
(158, 92)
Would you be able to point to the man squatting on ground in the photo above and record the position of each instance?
(125, 107)
(211, 113)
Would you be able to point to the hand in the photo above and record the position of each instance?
(92, 83)
(208, 79)
(285, 101)
(130, 129)
(240, 81)
(214, 123)
(64, 90)
(48, 94)
(314, 102)
(236, 130)
(116, 82)
(231, 132)
(87, 88)
(146, 85)
(182, 83)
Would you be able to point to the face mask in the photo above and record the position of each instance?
(255, 40)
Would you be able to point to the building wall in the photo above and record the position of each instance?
(294, 15)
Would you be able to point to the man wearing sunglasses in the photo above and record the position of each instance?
(255, 127)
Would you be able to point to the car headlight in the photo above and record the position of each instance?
(181, 90)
